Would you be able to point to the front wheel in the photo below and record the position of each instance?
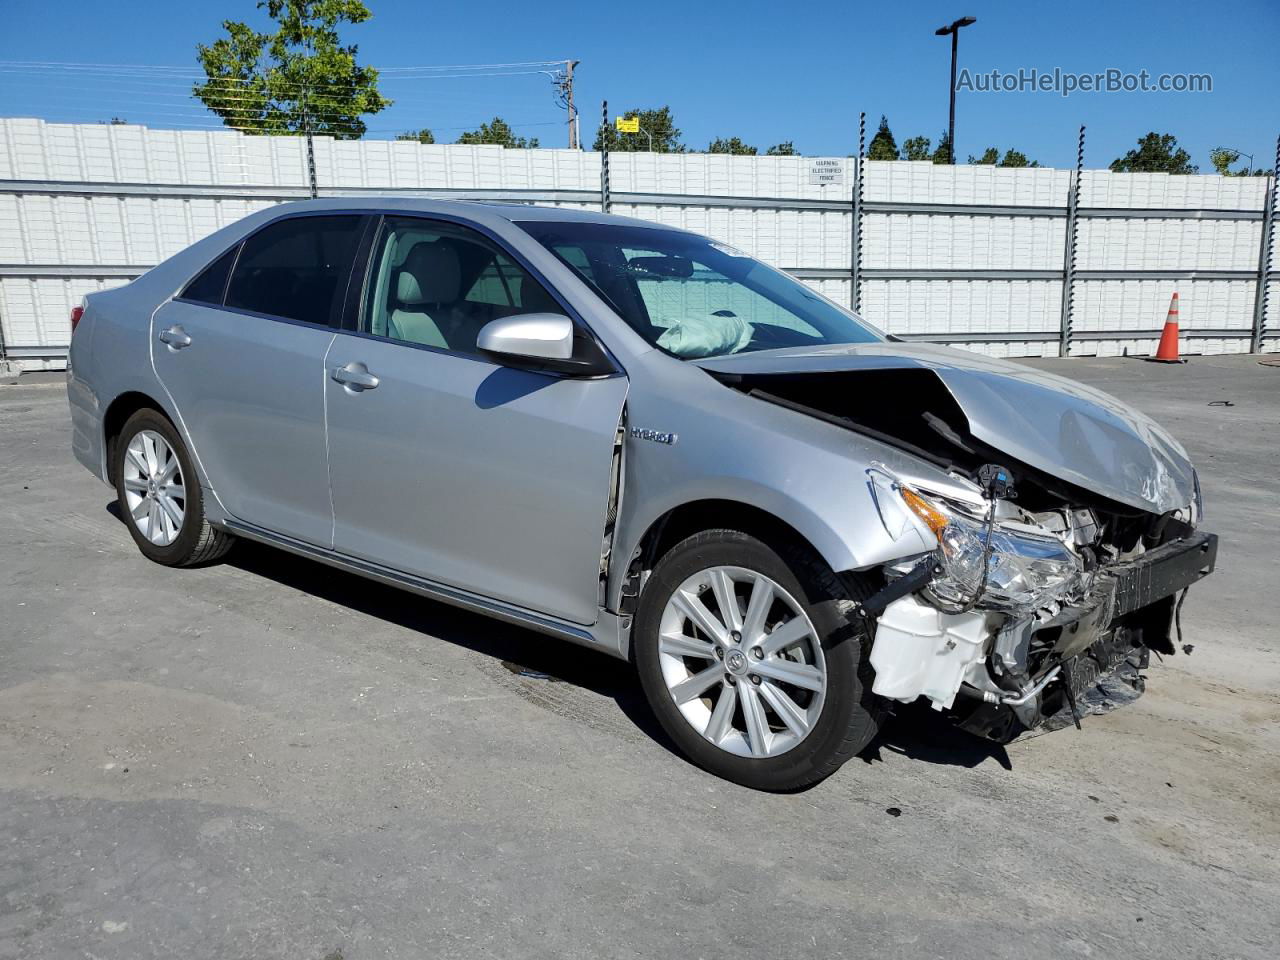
(753, 662)
(160, 497)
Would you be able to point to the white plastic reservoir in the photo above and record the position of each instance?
(921, 651)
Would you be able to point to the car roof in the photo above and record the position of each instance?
(479, 210)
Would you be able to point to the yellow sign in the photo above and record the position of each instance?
(627, 124)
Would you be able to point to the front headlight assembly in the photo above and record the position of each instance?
(1024, 572)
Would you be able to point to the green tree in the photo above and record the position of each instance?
(943, 152)
(1016, 158)
(883, 146)
(498, 131)
(917, 148)
(421, 136)
(656, 127)
(731, 145)
(784, 149)
(1223, 157)
(300, 76)
(1156, 153)
(1012, 158)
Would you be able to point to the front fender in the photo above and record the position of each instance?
(808, 474)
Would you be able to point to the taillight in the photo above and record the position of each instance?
(76, 314)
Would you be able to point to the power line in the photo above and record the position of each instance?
(389, 74)
(81, 65)
(148, 96)
(347, 85)
(169, 91)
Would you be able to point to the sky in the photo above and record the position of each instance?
(762, 71)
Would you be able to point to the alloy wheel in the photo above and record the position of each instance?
(742, 661)
(153, 488)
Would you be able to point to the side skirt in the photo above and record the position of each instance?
(606, 634)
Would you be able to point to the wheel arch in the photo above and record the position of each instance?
(695, 516)
(117, 415)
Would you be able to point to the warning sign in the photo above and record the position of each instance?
(823, 171)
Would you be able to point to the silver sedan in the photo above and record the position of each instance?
(645, 441)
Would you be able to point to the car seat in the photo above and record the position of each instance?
(427, 286)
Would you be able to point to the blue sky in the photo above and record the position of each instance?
(763, 71)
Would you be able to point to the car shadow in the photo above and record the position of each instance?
(914, 731)
(533, 656)
(920, 733)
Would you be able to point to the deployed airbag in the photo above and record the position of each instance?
(706, 336)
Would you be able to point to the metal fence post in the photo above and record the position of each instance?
(855, 240)
(1069, 252)
(311, 151)
(604, 157)
(1264, 258)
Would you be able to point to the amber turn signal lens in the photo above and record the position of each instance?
(933, 518)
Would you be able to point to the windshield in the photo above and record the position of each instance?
(694, 297)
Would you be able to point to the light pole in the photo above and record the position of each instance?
(1239, 154)
(954, 30)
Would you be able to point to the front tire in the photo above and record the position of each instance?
(753, 662)
(159, 494)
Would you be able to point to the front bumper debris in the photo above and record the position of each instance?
(1163, 571)
(1101, 645)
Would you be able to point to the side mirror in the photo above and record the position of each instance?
(528, 336)
(542, 341)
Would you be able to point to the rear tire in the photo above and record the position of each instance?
(807, 700)
(159, 494)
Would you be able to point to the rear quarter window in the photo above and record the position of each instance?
(211, 284)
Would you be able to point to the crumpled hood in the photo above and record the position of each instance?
(1059, 426)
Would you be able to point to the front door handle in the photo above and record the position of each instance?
(355, 377)
(175, 337)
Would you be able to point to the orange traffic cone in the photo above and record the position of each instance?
(1167, 352)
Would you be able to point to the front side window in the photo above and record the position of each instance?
(296, 268)
(437, 284)
(694, 297)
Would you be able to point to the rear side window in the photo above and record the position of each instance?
(212, 283)
(296, 268)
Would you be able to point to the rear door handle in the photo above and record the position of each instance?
(175, 337)
(355, 377)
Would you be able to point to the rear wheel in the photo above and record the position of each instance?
(752, 661)
(160, 497)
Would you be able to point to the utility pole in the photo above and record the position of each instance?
(574, 143)
(562, 80)
(954, 31)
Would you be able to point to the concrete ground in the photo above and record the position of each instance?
(268, 758)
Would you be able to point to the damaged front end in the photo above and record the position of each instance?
(1055, 553)
(1017, 618)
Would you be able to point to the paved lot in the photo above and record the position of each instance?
(271, 759)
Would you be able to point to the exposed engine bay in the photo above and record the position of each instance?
(1037, 589)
